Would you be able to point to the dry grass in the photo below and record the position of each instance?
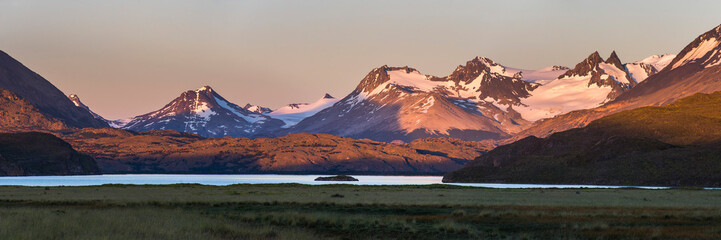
(292, 211)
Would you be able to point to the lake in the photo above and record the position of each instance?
(217, 179)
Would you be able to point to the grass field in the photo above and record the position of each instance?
(292, 211)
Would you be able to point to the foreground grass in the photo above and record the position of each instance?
(292, 211)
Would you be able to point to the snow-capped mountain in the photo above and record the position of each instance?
(400, 103)
(76, 100)
(293, 113)
(696, 69)
(206, 113)
(592, 82)
(479, 100)
(697, 65)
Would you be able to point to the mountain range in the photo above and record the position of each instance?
(477, 101)
(694, 70)
(383, 120)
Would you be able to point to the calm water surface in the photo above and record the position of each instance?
(211, 179)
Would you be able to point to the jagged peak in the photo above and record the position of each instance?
(614, 60)
(327, 96)
(378, 76)
(585, 66)
(485, 61)
(594, 57)
(478, 65)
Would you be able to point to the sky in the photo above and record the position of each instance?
(126, 58)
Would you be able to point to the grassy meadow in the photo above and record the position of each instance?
(293, 211)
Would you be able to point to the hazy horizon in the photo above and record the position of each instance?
(126, 58)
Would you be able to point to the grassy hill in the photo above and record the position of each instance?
(672, 145)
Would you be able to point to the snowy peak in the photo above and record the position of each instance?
(256, 108)
(704, 51)
(204, 112)
(373, 79)
(292, 114)
(586, 67)
(477, 66)
(611, 73)
(479, 78)
(614, 60)
(76, 100)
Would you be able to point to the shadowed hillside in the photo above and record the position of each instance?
(35, 153)
(672, 145)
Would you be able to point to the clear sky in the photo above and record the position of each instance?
(129, 57)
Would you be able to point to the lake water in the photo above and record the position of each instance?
(212, 179)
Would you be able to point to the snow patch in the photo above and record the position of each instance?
(562, 96)
(698, 52)
(637, 72)
(413, 79)
(251, 118)
(543, 74)
(617, 74)
(658, 62)
(202, 110)
(293, 115)
(120, 123)
(427, 105)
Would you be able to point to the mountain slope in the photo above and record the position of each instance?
(19, 115)
(42, 94)
(673, 145)
(206, 113)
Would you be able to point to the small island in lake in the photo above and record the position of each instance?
(337, 178)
